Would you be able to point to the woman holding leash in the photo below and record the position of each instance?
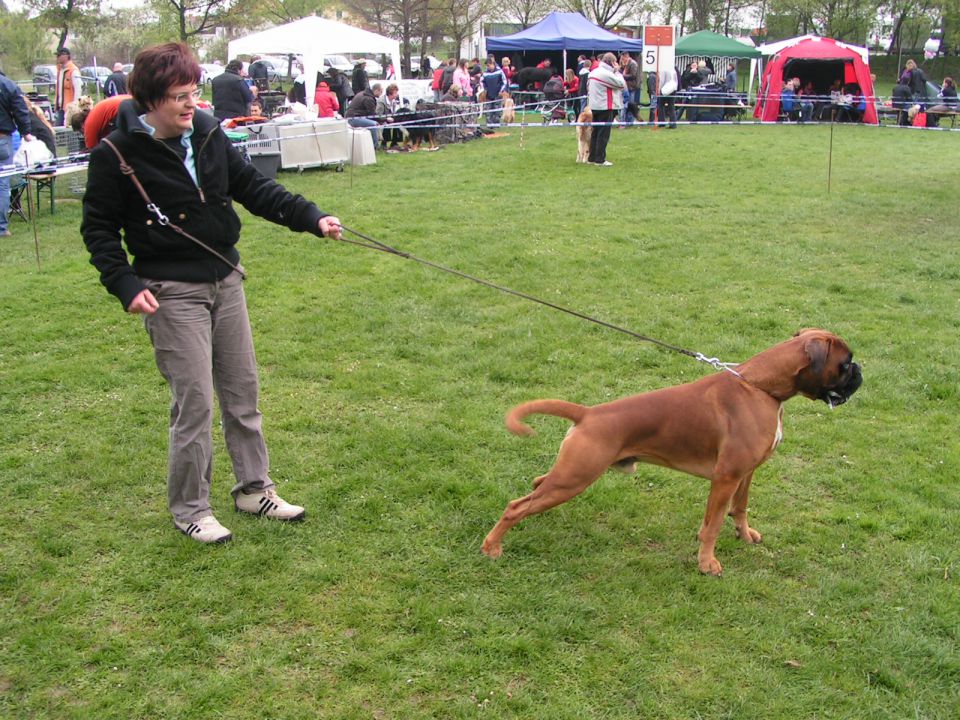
(605, 97)
(166, 179)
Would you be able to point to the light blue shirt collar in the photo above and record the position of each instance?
(188, 161)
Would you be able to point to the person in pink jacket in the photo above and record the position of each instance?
(326, 101)
(461, 77)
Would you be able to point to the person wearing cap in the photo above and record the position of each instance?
(116, 82)
(360, 81)
(69, 84)
(231, 94)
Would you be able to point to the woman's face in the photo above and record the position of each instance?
(173, 115)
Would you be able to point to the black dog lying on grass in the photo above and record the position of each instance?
(419, 126)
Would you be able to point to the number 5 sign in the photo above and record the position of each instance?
(657, 47)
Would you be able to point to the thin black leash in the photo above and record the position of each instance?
(374, 244)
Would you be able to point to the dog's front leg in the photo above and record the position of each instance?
(722, 489)
(738, 511)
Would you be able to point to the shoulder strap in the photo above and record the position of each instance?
(127, 170)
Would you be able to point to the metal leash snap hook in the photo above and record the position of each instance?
(161, 218)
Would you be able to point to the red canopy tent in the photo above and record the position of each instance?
(821, 60)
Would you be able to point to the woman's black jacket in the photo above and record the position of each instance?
(112, 206)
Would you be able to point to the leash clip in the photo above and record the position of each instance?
(717, 364)
(161, 218)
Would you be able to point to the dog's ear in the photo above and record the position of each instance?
(817, 349)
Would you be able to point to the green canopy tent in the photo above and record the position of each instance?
(717, 48)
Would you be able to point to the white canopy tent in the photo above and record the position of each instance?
(770, 49)
(314, 37)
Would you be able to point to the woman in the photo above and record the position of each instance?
(508, 70)
(387, 106)
(916, 79)
(605, 97)
(461, 77)
(185, 278)
(946, 103)
(326, 101)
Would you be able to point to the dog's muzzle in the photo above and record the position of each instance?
(839, 395)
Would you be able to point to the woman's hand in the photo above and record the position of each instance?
(144, 303)
(330, 227)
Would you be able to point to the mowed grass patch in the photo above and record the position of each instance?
(384, 384)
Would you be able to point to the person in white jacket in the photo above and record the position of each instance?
(605, 97)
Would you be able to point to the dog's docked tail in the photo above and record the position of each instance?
(560, 408)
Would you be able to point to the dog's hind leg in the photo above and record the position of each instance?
(552, 489)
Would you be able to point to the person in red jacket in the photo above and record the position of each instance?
(436, 84)
(326, 101)
(99, 121)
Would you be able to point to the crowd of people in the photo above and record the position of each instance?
(608, 85)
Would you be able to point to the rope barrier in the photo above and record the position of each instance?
(80, 159)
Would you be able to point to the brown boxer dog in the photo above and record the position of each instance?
(721, 427)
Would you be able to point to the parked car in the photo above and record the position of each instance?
(337, 61)
(44, 78)
(94, 77)
(208, 71)
(127, 68)
(435, 62)
(282, 67)
(374, 69)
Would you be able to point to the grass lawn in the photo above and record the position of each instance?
(384, 385)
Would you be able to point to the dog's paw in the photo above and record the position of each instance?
(491, 550)
(749, 535)
(711, 566)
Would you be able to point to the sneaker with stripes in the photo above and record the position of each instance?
(269, 505)
(204, 530)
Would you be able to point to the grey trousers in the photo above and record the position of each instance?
(202, 343)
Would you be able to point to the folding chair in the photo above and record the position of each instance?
(18, 186)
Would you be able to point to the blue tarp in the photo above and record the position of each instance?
(563, 31)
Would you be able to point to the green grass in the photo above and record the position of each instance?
(384, 386)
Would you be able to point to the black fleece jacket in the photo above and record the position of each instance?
(112, 205)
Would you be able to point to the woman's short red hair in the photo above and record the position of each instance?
(158, 68)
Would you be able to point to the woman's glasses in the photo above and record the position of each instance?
(183, 97)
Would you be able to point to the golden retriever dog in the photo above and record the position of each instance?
(509, 113)
(583, 135)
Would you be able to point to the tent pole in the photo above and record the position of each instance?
(830, 156)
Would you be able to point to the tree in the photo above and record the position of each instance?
(188, 18)
(24, 42)
(121, 35)
(604, 13)
(401, 19)
(64, 16)
(462, 18)
(284, 11)
(526, 12)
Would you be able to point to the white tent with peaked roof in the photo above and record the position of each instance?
(314, 37)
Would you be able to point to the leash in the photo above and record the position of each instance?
(370, 243)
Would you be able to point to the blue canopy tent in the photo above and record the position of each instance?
(563, 32)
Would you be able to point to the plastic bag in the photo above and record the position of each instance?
(32, 152)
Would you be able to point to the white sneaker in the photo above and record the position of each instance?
(268, 504)
(205, 530)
